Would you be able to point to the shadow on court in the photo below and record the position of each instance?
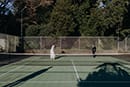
(6, 59)
(26, 78)
(58, 57)
(108, 75)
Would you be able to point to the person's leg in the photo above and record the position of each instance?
(94, 55)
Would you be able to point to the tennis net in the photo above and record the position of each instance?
(61, 59)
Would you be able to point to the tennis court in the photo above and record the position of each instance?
(65, 71)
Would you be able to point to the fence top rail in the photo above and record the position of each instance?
(1, 34)
(71, 37)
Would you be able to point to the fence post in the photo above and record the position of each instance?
(60, 44)
(98, 44)
(126, 50)
(15, 45)
(40, 42)
(118, 44)
(79, 43)
(7, 44)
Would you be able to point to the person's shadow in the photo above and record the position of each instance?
(108, 75)
(26, 78)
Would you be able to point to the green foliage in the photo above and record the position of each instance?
(44, 31)
(77, 17)
(103, 20)
(43, 14)
(7, 19)
(32, 30)
(37, 30)
(61, 22)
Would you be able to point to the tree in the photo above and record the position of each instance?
(75, 17)
(33, 30)
(80, 14)
(26, 8)
(126, 21)
(36, 13)
(119, 11)
(7, 17)
(43, 14)
(104, 21)
(61, 22)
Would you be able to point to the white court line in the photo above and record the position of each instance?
(76, 72)
(70, 81)
(45, 82)
(11, 70)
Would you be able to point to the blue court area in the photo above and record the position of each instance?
(66, 71)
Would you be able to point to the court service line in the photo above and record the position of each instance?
(71, 82)
(11, 70)
(76, 72)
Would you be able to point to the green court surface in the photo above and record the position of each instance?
(65, 71)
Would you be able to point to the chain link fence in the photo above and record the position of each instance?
(8, 43)
(68, 45)
(128, 45)
(73, 45)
